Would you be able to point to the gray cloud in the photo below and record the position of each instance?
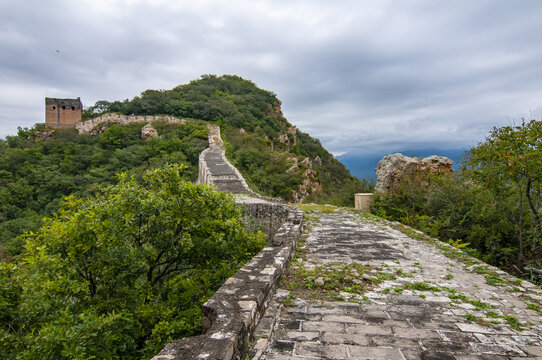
(359, 75)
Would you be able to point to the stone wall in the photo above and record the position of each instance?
(268, 214)
(215, 169)
(89, 126)
(234, 311)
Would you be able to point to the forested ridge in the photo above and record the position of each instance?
(259, 140)
(36, 173)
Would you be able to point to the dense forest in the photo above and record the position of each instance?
(259, 140)
(37, 172)
(491, 208)
(118, 274)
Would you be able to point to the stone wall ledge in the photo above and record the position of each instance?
(234, 311)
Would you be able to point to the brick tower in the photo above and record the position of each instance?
(62, 113)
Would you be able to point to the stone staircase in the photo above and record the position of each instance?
(215, 169)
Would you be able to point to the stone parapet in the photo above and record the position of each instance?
(234, 311)
(272, 216)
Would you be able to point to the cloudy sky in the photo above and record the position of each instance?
(363, 76)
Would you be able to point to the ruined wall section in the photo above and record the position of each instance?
(92, 126)
(215, 169)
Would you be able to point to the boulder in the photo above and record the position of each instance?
(318, 161)
(307, 163)
(148, 132)
(394, 169)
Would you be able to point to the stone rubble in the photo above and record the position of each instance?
(148, 132)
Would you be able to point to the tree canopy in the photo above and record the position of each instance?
(120, 274)
(509, 164)
(37, 172)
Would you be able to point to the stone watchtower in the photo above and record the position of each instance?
(62, 113)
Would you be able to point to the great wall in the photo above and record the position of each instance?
(421, 299)
(424, 299)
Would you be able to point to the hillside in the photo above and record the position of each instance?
(276, 158)
(39, 168)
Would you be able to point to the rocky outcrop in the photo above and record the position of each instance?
(98, 125)
(395, 169)
(291, 132)
(318, 161)
(148, 132)
(41, 135)
(309, 184)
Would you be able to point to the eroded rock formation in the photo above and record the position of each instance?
(148, 132)
(395, 169)
(309, 185)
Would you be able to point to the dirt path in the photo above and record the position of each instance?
(361, 289)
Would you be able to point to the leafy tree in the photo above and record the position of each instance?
(493, 204)
(120, 274)
(509, 164)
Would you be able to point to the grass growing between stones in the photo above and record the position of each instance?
(325, 282)
(472, 264)
(323, 208)
(328, 282)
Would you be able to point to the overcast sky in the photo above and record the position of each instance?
(359, 75)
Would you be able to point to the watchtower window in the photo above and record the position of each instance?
(73, 107)
(63, 107)
(54, 107)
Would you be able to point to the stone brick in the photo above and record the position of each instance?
(330, 337)
(475, 328)
(321, 351)
(303, 335)
(343, 319)
(322, 326)
(412, 333)
(369, 329)
(533, 350)
(361, 352)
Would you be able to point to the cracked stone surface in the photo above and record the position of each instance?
(431, 307)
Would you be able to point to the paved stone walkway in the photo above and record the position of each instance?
(224, 176)
(215, 169)
(361, 289)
